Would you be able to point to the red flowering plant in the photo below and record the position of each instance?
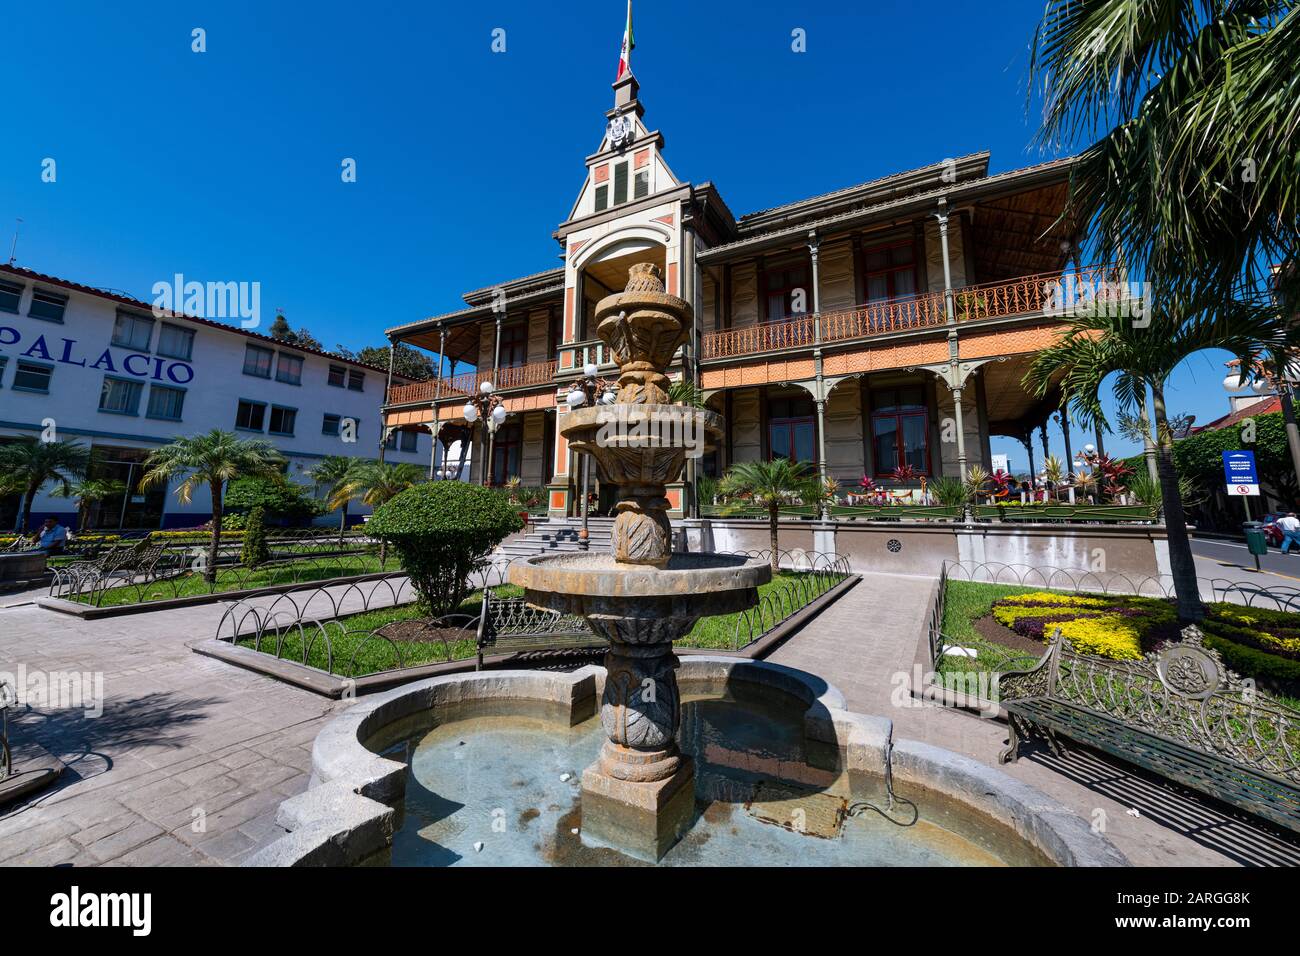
(1113, 474)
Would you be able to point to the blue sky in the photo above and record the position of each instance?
(225, 165)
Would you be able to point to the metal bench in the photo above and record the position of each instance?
(1178, 712)
(507, 625)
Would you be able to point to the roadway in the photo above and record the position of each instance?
(1232, 561)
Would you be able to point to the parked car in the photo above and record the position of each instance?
(1272, 533)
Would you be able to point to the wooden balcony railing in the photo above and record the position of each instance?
(1026, 295)
(460, 386)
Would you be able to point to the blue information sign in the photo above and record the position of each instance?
(1239, 468)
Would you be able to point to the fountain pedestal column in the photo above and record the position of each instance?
(639, 795)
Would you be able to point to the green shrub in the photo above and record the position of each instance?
(281, 500)
(255, 551)
(949, 491)
(443, 531)
(1250, 662)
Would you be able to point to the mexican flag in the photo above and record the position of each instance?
(629, 44)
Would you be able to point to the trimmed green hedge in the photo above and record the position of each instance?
(443, 531)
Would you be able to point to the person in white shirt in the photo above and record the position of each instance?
(1289, 525)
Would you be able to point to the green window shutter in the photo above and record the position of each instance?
(620, 183)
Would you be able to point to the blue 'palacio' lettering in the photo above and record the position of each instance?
(137, 364)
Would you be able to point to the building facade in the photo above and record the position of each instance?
(94, 366)
(888, 324)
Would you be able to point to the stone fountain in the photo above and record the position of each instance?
(639, 795)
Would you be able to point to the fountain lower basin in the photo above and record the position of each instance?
(358, 799)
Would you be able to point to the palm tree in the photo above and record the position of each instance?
(376, 482)
(332, 471)
(87, 491)
(770, 485)
(1141, 358)
(30, 463)
(1187, 109)
(214, 459)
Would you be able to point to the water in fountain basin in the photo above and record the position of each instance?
(496, 781)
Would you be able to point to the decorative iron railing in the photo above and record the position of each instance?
(458, 386)
(1043, 293)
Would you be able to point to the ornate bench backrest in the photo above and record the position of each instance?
(1184, 692)
(517, 616)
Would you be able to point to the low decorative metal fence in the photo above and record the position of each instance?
(817, 572)
(154, 574)
(329, 629)
(315, 624)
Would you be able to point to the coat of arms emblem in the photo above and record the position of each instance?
(621, 131)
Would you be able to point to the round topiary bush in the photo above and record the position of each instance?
(443, 531)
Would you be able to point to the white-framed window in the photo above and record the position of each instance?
(403, 440)
(121, 396)
(11, 293)
(288, 368)
(282, 420)
(333, 425)
(175, 341)
(32, 377)
(166, 402)
(49, 306)
(250, 415)
(132, 331)
(258, 361)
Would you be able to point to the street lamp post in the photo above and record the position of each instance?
(492, 410)
(588, 390)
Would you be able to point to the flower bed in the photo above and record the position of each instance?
(1255, 642)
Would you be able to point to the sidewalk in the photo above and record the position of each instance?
(189, 761)
(871, 634)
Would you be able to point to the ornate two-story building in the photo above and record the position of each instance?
(885, 324)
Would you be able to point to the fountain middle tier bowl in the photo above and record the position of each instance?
(691, 586)
(643, 426)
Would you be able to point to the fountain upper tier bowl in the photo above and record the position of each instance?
(691, 586)
(707, 578)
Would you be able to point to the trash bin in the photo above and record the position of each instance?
(1255, 541)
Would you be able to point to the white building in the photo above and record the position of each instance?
(102, 368)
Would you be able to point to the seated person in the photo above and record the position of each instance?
(54, 537)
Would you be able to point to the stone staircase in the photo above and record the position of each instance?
(555, 535)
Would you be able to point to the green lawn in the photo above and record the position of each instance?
(720, 632)
(354, 636)
(191, 583)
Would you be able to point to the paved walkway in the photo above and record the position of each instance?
(188, 762)
(866, 642)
